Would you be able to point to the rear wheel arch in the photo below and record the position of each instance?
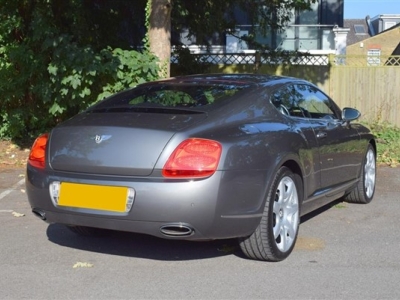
(295, 168)
(373, 144)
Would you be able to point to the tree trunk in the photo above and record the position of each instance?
(160, 33)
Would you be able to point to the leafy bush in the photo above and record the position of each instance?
(76, 77)
(132, 68)
(53, 65)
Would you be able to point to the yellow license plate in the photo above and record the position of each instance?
(109, 198)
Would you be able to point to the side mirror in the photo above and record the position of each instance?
(350, 114)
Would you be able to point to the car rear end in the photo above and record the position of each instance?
(138, 168)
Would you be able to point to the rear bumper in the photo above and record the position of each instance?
(225, 227)
(226, 205)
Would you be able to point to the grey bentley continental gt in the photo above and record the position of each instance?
(204, 157)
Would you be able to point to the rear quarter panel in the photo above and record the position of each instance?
(256, 141)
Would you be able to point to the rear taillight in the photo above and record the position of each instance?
(38, 152)
(193, 158)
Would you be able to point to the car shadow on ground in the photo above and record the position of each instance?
(149, 247)
(142, 246)
(319, 211)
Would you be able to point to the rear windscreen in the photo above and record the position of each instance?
(171, 95)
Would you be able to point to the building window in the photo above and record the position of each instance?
(359, 29)
(388, 25)
(374, 57)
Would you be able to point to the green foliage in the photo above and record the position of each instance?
(388, 143)
(50, 71)
(133, 68)
(146, 42)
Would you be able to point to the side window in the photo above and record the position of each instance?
(303, 101)
(314, 103)
(286, 99)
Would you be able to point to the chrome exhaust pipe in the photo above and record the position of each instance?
(39, 213)
(176, 230)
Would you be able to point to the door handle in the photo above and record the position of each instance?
(321, 135)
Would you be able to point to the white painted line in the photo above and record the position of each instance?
(6, 210)
(14, 187)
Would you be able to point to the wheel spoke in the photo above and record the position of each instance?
(286, 192)
(277, 231)
(284, 243)
(281, 192)
(292, 210)
(291, 230)
(277, 208)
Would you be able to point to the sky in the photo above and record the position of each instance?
(359, 9)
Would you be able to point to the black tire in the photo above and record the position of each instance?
(282, 215)
(365, 189)
(86, 231)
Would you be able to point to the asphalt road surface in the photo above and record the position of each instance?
(344, 251)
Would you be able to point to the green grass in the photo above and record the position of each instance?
(340, 205)
(388, 143)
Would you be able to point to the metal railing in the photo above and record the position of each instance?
(252, 58)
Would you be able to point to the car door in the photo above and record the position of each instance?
(340, 154)
(286, 100)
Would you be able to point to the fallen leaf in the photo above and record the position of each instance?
(17, 215)
(82, 265)
(22, 191)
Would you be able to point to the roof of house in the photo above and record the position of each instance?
(359, 30)
(391, 28)
(386, 16)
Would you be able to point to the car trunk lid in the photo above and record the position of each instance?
(127, 144)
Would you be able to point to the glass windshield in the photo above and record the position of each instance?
(171, 96)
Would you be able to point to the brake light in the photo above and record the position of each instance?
(38, 152)
(193, 158)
